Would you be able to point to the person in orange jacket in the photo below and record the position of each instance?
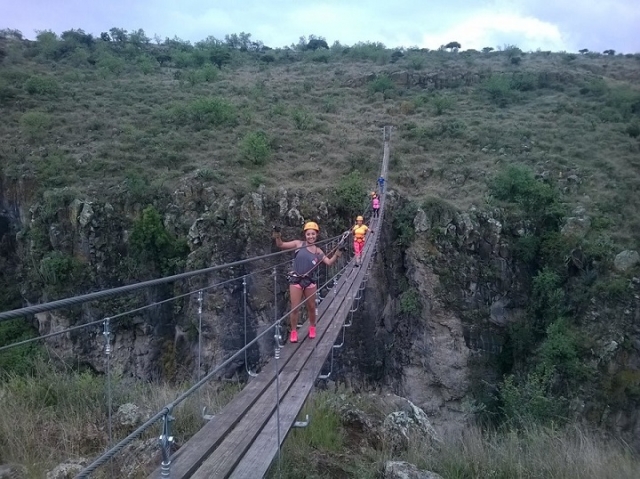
(359, 232)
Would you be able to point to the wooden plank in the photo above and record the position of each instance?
(194, 452)
(230, 451)
(260, 455)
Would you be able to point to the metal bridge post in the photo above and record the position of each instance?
(200, 300)
(277, 336)
(166, 439)
(107, 351)
(326, 376)
(244, 295)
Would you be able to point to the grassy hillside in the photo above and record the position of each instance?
(107, 117)
(124, 119)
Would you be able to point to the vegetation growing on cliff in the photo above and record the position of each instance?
(121, 119)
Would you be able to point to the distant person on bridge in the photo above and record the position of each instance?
(303, 279)
(381, 184)
(359, 231)
(375, 205)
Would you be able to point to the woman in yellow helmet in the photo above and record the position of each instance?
(303, 283)
(359, 231)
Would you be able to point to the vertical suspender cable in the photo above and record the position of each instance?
(107, 351)
(200, 299)
(244, 296)
(277, 338)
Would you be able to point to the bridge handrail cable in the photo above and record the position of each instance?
(136, 310)
(169, 407)
(62, 303)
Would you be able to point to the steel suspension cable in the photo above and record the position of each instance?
(131, 311)
(62, 303)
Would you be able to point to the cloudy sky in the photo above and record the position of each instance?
(530, 24)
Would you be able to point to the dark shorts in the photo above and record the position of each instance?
(301, 282)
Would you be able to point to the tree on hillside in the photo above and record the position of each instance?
(453, 46)
(11, 33)
(609, 52)
(583, 51)
(139, 38)
(316, 43)
(241, 41)
(78, 36)
(220, 56)
(104, 36)
(487, 49)
(118, 34)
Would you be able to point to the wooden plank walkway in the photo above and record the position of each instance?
(241, 440)
(225, 442)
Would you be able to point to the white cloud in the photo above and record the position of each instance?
(491, 29)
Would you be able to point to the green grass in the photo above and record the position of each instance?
(324, 450)
(545, 114)
(54, 414)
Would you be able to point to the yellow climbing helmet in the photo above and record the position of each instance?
(311, 225)
(359, 218)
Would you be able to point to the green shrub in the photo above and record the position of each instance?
(302, 119)
(109, 64)
(559, 352)
(35, 124)
(7, 93)
(441, 103)
(350, 195)
(18, 360)
(403, 223)
(525, 81)
(42, 85)
(410, 303)
(207, 174)
(439, 212)
(381, 84)
(371, 51)
(498, 87)
(528, 400)
(257, 180)
(212, 111)
(547, 297)
(153, 248)
(202, 113)
(633, 130)
(538, 200)
(255, 148)
(62, 274)
(56, 170)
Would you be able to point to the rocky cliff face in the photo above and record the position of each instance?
(436, 306)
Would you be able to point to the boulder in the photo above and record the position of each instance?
(69, 469)
(626, 259)
(403, 425)
(13, 471)
(406, 470)
(129, 415)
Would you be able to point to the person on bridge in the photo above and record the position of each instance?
(381, 184)
(359, 231)
(375, 205)
(303, 279)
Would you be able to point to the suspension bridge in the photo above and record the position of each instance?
(245, 437)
